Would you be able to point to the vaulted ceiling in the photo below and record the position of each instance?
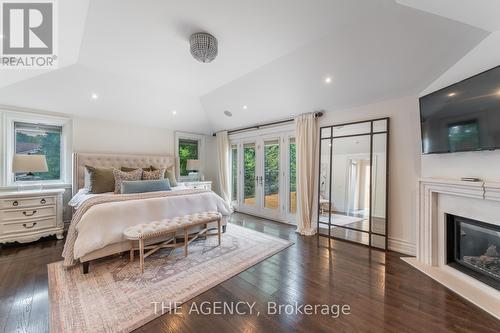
(273, 58)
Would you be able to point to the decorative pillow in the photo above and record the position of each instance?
(128, 169)
(100, 180)
(142, 186)
(152, 175)
(120, 176)
(169, 174)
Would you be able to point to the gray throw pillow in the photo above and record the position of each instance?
(143, 186)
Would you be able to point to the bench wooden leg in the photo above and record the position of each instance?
(131, 251)
(218, 230)
(141, 254)
(85, 267)
(186, 238)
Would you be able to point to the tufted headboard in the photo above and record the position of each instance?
(80, 160)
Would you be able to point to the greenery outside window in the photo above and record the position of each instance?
(188, 150)
(38, 139)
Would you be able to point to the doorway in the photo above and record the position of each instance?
(263, 174)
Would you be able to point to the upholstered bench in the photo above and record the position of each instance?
(167, 229)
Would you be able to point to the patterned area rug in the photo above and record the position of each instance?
(115, 297)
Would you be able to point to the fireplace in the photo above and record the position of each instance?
(473, 247)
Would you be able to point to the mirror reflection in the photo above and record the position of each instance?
(353, 181)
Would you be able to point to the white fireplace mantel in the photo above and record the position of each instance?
(475, 200)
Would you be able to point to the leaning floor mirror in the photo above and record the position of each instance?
(353, 182)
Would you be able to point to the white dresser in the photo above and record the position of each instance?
(199, 184)
(26, 216)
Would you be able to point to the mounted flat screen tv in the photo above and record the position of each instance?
(464, 116)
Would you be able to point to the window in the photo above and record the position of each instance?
(26, 133)
(37, 139)
(189, 146)
(188, 150)
(234, 172)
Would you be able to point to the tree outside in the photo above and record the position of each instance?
(188, 150)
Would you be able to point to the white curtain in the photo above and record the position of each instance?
(307, 136)
(223, 165)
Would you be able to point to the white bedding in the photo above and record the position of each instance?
(83, 195)
(105, 223)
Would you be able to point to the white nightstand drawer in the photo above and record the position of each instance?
(26, 226)
(27, 213)
(27, 202)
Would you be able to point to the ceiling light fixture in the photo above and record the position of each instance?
(228, 113)
(452, 94)
(203, 47)
(328, 80)
(174, 112)
(94, 96)
(245, 107)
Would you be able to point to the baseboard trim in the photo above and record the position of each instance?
(402, 246)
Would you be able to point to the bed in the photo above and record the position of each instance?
(102, 218)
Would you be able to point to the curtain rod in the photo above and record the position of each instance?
(316, 114)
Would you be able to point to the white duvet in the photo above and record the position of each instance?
(105, 223)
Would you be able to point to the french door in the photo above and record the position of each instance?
(263, 176)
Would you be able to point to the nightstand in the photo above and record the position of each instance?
(26, 216)
(199, 184)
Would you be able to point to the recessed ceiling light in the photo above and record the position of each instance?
(174, 112)
(328, 80)
(245, 107)
(452, 94)
(228, 113)
(94, 96)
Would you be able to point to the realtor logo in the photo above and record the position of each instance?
(27, 34)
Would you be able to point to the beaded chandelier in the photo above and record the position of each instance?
(203, 47)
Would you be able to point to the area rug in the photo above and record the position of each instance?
(115, 297)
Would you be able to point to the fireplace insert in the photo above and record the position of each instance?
(473, 247)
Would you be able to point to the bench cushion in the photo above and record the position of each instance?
(157, 228)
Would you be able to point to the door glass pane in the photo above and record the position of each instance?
(324, 181)
(350, 200)
(249, 173)
(271, 174)
(293, 176)
(234, 173)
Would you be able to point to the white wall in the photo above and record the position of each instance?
(98, 136)
(484, 165)
(404, 164)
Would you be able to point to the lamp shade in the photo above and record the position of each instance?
(29, 163)
(194, 165)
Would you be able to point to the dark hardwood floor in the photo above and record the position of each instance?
(384, 293)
